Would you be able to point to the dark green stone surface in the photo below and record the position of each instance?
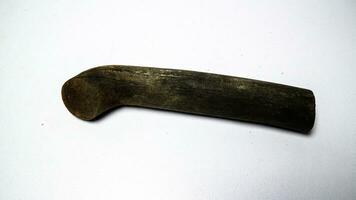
(97, 90)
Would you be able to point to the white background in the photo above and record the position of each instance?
(132, 153)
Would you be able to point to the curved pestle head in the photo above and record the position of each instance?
(82, 99)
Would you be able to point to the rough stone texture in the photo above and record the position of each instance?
(97, 90)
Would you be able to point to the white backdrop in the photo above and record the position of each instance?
(132, 153)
